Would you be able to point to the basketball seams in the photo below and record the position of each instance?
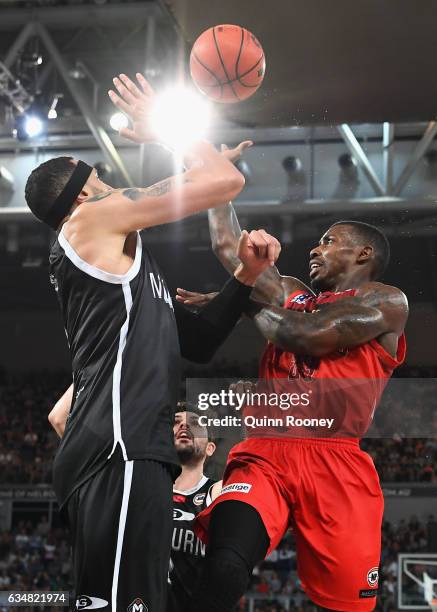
(222, 52)
(223, 64)
(239, 54)
(219, 83)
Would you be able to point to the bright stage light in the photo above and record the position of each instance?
(180, 117)
(33, 126)
(118, 121)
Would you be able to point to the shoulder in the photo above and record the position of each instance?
(375, 293)
(389, 300)
(215, 490)
(292, 285)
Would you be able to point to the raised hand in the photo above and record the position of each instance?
(235, 153)
(257, 251)
(193, 298)
(136, 101)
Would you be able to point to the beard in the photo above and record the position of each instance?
(189, 455)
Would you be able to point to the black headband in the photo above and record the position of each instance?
(65, 200)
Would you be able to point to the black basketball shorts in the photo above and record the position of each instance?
(121, 524)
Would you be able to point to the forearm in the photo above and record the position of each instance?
(202, 333)
(59, 413)
(344, 324)
(225, 231)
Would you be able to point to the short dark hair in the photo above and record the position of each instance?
(45, 183)
(374, 237)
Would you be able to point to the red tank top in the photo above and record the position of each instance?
(346, 385)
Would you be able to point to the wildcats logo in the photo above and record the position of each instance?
(137, 605)
(372, 577)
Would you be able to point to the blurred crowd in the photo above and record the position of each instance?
(408, 454)
(27, 443)
(37, 557)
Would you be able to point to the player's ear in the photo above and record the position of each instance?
(365, 255)
(210, 449)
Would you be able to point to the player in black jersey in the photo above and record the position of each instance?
(115, 464)
(192, 492)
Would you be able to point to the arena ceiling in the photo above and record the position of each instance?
(360, 61)
(365, 61)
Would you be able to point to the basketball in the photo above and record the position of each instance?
(227, 63)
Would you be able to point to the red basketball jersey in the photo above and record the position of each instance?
(346, 385)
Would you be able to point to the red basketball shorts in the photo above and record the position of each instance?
(328, 491)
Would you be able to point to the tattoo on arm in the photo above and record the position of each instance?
(100, 196)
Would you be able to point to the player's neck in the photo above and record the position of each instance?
(352, 281)
(189, 477)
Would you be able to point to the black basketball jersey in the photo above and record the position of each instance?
(124, 348)
(187, 551)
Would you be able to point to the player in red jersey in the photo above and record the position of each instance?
(348, 326)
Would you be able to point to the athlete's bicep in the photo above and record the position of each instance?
(273, 288)
(375, 310)
(127, 210)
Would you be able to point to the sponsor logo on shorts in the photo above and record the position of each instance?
(237, 487)
(90, 603)
(372, 577)
(366, 593)
(180, 515)
(137, 605)
(199, 499)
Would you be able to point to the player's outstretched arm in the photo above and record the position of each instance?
(202, 333)
(224, 228)
(377, 311)
(209, 181)
(60, 411)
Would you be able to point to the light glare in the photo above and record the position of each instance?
(180, 117)
(118, 121)
(33, 126)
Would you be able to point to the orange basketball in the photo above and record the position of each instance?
(227, 63)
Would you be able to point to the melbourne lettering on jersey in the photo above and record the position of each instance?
(125, 355)
(345, 385)
(187, 551)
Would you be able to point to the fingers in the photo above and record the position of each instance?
(244, 145)
(130, 135)
(244, 243)
(242, 387)
(125, 92)
(273, 246)
(119, 103)
(259, 242)
(130, 86)
(144, 84)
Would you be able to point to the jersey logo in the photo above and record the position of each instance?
(372, 576)
(180, 515)
(199, 499)
(300, 299)
(159, 290)
(179, 499)
(90, 603)
(236, 487)
(137, 605)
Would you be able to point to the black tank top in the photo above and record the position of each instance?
(187, 551)
(125, 355)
